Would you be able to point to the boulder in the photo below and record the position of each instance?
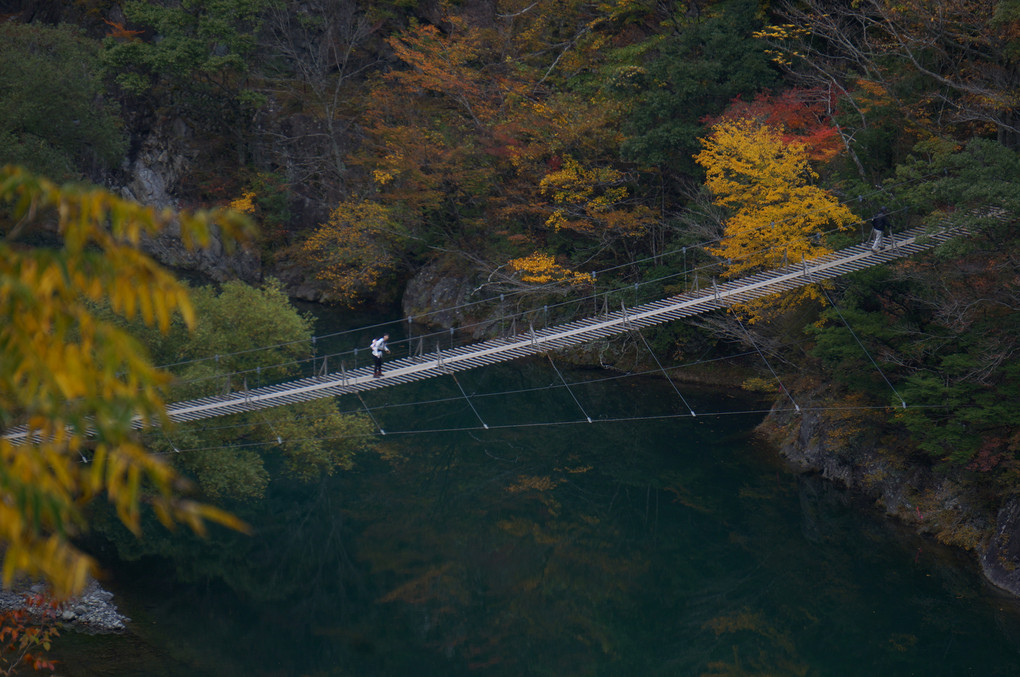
(1000, 560)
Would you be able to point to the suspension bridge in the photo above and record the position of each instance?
(532, 342)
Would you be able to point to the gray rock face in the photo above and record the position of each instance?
(214, 261)
(439, 297)
(162, 159)
(435, 296)
(1001, 559)
(299, 282)
(164, 156)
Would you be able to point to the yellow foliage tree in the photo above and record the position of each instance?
(592, 201)
(540, 268)
(78, 384)
(354, 250)
(777, 214)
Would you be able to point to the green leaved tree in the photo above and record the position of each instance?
(54, 117)
(246, 337)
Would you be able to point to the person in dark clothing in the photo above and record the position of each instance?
(880, 228)
(378, 348)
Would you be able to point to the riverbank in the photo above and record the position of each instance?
(93, 612)
(852, 448)
(848, 449)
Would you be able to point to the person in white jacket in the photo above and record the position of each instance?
(378, 348)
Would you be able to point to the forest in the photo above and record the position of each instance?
(536, 149)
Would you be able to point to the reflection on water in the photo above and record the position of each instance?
(663, 546)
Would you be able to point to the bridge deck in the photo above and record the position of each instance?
(574, 333)
(556, 337)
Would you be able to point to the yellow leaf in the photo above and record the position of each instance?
(65, 369)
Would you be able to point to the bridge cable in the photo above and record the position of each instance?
(370, 415)
(279, 440)
(313, 338)
(702, 244)
(567, 386)
(663, 370)
(168, 441)
(765, 360)
(852, 333)
(499, 393)
(470, 404)
(511, 426)
(394, 343)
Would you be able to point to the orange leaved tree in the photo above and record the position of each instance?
(355, 249)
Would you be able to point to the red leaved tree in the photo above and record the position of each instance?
(801, 116)
(25, 634)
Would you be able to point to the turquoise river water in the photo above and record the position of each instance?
(644, 543)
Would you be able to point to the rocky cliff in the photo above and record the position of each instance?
(848, 450)
(163, 154)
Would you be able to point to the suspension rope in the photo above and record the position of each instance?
(861, 344)
(370, 415)
(279, 440)
(654, 357)
(540, 424)
(500, 393)
(468, 399)
(298, 363)
(600, 272)
(168, 441)
(581, 301)
(765, 360)
(567, 386)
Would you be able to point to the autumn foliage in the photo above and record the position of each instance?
(541, 268)
(777, 215)
(591, 201)
(799, 116)
(355, 249)
(25, 634)
(77, 382)
(471, 145)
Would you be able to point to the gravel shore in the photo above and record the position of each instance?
(92, 612)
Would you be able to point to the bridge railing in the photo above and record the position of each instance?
(691, 269)
(500, 317)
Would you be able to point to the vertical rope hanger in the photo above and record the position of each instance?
(765, 360)
(470, 403)
(279, 440)
(369, 412)
(852, 333)
(168, 441)
(576, 401)
(664, 373)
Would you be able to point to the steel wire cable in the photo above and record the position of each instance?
(354, 352)
(540, 424)
(538, 288)
(650, 309)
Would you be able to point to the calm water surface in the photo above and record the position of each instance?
(661, 546)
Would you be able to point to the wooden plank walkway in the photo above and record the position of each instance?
(575, 333)
(531, 342)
